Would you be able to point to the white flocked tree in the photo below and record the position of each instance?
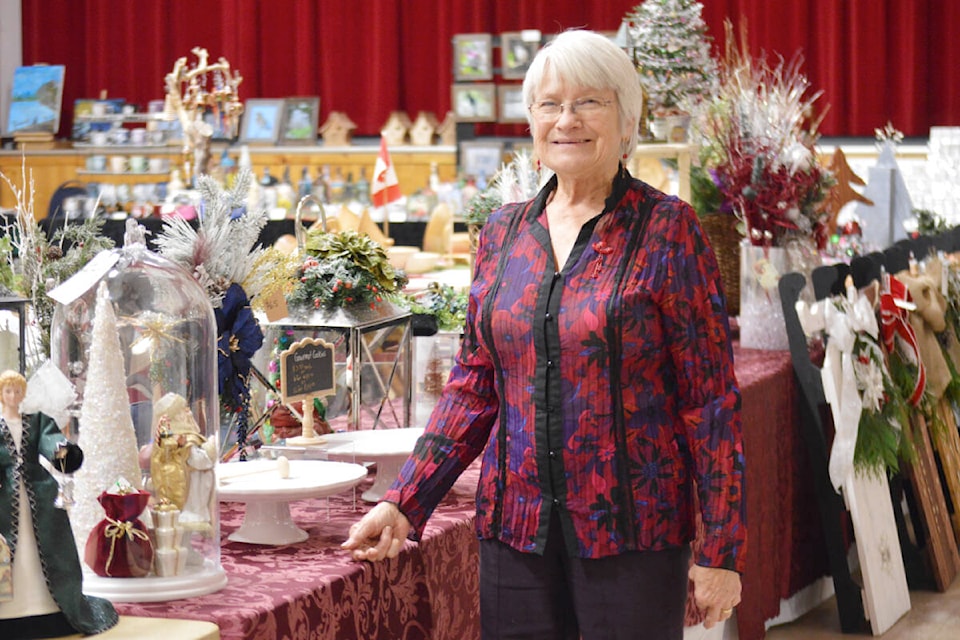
(107, 436)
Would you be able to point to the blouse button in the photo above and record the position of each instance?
(549, 364)
(548, 316)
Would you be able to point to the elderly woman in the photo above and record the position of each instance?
(47, 598)
(596, 378)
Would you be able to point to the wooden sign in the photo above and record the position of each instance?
(306, 370)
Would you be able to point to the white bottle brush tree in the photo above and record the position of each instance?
(671, 49)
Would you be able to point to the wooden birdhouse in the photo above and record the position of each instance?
(337, 131)
(448, 130)
(396, 128)
(424, 129)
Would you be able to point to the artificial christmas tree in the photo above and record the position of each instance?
(107, 436)
(670, 46)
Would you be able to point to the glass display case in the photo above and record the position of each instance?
(433, 358)
(372, 361)
(137, 335)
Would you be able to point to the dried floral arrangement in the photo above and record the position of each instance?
(31, 264)
(757, 138)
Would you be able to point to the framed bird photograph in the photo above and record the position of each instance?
(474, 102)
(517, 49)
(261, 120)
(300, 118)
(472, 56)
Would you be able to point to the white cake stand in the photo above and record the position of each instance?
(388, 448)
(267, 495)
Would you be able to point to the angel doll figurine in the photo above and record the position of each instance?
(33, 527)
(182, 462)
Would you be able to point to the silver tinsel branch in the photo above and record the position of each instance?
(223, 249)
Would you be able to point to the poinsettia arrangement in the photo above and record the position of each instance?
(757, 146)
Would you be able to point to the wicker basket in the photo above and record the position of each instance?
(723, 236)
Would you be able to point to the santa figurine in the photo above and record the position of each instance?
(46, 599)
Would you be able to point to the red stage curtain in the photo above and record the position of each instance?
(875, 60)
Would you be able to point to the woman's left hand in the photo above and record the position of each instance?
(716, 592)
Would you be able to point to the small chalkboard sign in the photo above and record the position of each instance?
(306, 370)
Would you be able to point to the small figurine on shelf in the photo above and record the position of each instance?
(47, 579)
(305, 186)
(182, 461)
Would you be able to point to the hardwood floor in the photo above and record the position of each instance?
(933, 616)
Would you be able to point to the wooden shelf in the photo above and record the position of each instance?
(52, 168)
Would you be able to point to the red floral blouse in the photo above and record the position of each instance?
(604, 390)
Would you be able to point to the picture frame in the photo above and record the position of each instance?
(517, 49)
(300, 122)
(261, 120)
(480, 158)
(472, 56)
(474, 102)
(510, 106)
(35, 99)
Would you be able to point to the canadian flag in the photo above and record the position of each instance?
(385, 188)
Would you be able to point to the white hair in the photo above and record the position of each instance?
(587, 59)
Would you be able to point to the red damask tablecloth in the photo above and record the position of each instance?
(785, 550)
(311, 590)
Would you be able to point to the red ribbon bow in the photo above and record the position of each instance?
(893, 323)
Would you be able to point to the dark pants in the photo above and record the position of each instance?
(637, 595)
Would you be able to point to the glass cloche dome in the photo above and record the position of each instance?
(136, 334)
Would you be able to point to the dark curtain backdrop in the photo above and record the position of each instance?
(875, 60)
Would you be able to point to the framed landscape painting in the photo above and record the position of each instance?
(480, 158)
(36, 99)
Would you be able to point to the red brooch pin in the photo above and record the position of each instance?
(602, 249)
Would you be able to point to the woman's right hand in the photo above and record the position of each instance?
(379, 534)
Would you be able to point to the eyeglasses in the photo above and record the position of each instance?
(548, 110)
